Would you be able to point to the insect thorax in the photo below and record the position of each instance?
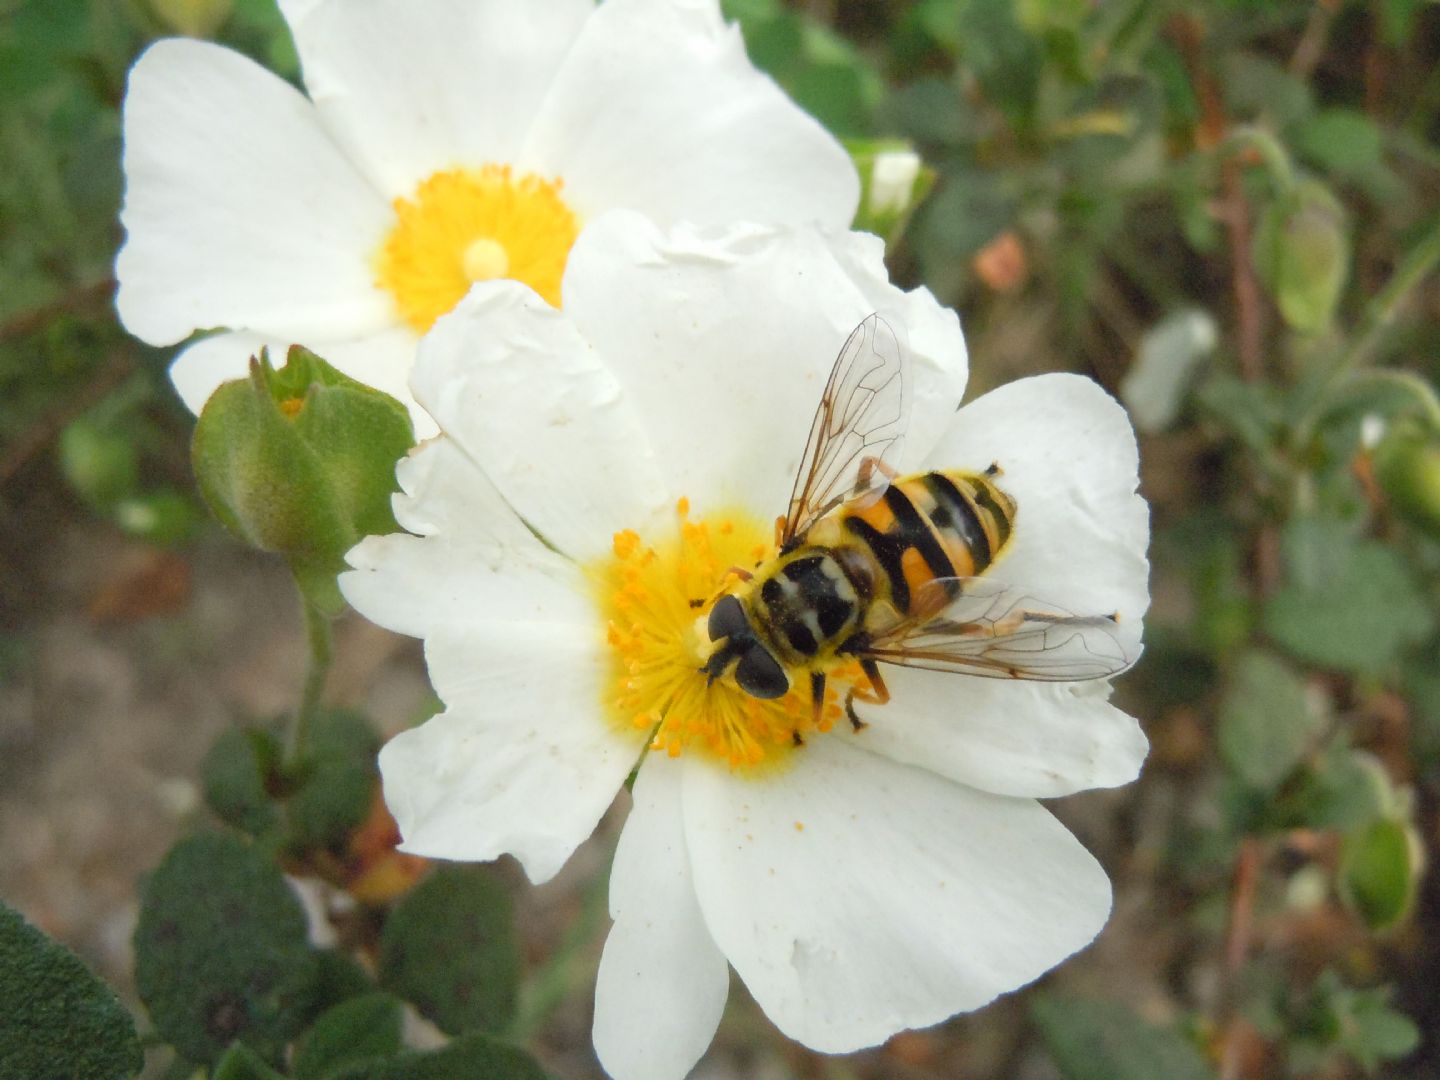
(806, 604)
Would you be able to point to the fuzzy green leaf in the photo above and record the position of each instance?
(470, 1057)
(242, 1063)
(449, 948)
(56, 1018)
(1266, 723)
(1347, 604)
(221, 952)
(234, 775)
(337, 781)
(356, 1031)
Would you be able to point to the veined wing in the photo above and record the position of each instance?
(977, 626)
(862, 415)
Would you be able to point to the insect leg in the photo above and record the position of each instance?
(817, 696)
(869, 466)
(878, 694)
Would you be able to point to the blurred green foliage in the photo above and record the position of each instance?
(1228, 212)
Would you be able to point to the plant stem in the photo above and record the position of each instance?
(1277, 161)
(317, 631)
(1237, 949)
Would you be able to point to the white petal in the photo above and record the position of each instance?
(723, 338)
(521, 760)
(295, 10)
(239, 210)
(1068, 458)
(857, 897)
(508, 377)
(663, 982)
(469, 551)
(410, 89)
(658, 109)
(1033, 739)
(380, 360)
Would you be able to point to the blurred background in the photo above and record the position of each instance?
(1226, 212)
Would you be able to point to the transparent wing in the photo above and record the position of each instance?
(981, 627)
(862, 415)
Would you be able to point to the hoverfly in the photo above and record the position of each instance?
(877, 568)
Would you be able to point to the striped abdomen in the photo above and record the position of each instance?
(925, 526)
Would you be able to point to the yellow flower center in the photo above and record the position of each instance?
(467, 225)
(656, 601)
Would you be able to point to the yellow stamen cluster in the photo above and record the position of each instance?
(656, 601)
(467, 225)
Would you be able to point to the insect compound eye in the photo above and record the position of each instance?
(727, 619)
(760, 674)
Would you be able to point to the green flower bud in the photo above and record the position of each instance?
(893, 181)
(193, 18)
(1302, 252)
(301, 462)
(1407, 467)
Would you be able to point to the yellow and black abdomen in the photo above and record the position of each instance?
(929, 525)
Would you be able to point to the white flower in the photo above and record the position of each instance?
(860, 883)
(443, 142)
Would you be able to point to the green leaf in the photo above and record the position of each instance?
(1342, 141)
(234, 777)
(449, 948)
(56, 1018)
(1422, 687)
(1302, 252)
(1341, 789)
(339, 977)
(221, 952)
(359, 1030)
(1372, 1032)
(470, 1057)
(1266, 722)
(337, 781)
(1379, 873)
(1256, 85)
(1360, 1023)
(1347, 604)
(242, 1063)
(1252, 412)
(1103, 1040)
(102, 464)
